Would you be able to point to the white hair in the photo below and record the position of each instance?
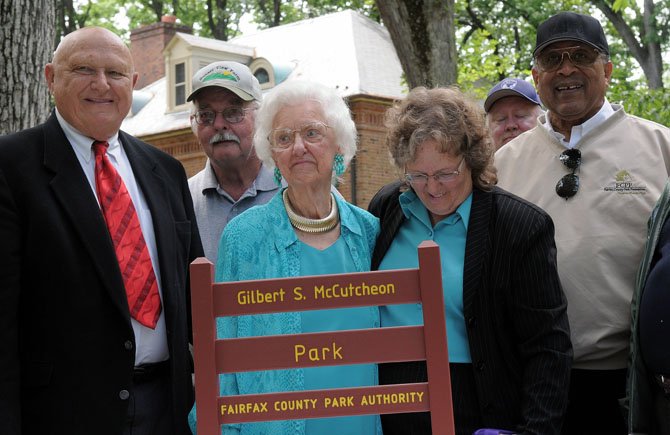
(335, 110)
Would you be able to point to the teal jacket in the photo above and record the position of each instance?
(261, 243)
(639, 397)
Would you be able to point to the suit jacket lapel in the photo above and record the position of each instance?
(390, 220)
(153, 188)
(477, 247)
(72, 189)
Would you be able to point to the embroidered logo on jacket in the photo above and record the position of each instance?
(625, 183)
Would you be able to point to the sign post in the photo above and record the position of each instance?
(378, 345)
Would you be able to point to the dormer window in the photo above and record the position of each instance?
(179, 84)
(262, 69)
(262, 75)
(186, 54)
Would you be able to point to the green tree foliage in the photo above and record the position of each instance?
(210, 18)
(494, 38)
(653, 104)
(120, 16)
(643, 27)
(265, 12)
(223, 17)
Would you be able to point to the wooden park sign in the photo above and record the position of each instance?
(377, 345)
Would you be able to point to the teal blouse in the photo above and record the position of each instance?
(261, 243)
(450, 234)
(336, 259)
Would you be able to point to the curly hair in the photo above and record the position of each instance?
(456, 122)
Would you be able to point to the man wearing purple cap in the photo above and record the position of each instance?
(225, 97)
(598, 172)
(512, 107)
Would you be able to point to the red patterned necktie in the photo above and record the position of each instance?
(131, 250)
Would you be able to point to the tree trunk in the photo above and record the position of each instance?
(423, 34)
(276, 9)
(217, 18)
(157, 7)
(654, 69)
(26, 45)
(65, 16)
(647, 51)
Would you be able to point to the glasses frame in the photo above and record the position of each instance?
(293, 132)
(420, 179)
(563, 51)
(568, 185)
(225, 113)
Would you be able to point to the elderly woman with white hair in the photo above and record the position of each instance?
(305, 132)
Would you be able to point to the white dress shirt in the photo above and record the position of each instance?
(150, 344)
(578, 131)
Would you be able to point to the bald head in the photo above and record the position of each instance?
(91, 78)
(99, 36)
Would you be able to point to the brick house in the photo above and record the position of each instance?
(345, 50)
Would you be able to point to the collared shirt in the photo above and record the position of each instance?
(150, 344)
(578, 131)
(214, 207)
(450, 234)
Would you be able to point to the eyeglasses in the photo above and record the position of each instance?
(418, 179)
(568, 185)
(551, 60)
(312, 133)
(233, 115)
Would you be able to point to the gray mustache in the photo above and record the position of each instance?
(225, 136)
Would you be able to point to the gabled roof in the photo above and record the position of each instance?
(153, 118)
(211, 44)
(344, 50)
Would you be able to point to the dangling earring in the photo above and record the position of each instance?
(277, 176)
(338, 165)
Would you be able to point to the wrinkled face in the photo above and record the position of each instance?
(92, 79)
(572, 94)
(440, 199)
(303, 162)
(509, 117)
(226, 143)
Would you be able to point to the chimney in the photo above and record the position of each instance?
(146, 47)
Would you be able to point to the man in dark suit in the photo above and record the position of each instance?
(75, 359)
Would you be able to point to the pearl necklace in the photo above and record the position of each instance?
(309, 225)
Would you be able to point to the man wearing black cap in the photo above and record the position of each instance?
(512, 107)
(598, 172)
(225, 97)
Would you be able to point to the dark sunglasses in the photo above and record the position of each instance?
(568, 185)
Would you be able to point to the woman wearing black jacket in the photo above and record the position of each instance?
(509, 342)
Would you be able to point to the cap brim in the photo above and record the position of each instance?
(502, 93)
(237, 91)
(561, 39)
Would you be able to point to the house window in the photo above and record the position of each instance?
(179, 84)
(262, 75)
